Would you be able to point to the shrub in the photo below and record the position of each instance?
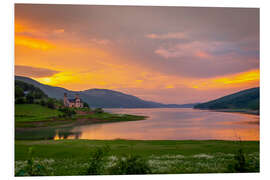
(32, 168)
(50, 104)
(242, 164)
(97, 161)
(240, 161)
(85, 105)
(20, 100)
(42, 102)
(68, 112)
(98, 110)
(130, 165)
(85, 109)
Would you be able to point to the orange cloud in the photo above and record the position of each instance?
(33, 43)
(21, 27)
(169, 86)
(117, 77)
(251, 78)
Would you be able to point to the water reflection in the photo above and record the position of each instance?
(66, 135)
(47, 134)
(162, 124)
(175, 124)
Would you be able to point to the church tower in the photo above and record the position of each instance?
(66, 100)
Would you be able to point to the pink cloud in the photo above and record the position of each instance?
(202, 54)
(169, 53)
(58, 31)
(176, 35)
(192, 49)
(101, 41)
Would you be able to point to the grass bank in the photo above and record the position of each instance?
(72, 157)
(34, 113)
(37, 116)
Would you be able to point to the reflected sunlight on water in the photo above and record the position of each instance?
(174, 124)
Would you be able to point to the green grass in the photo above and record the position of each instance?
(34, 112)
(71, 157)
(34, 115)
(112, 117)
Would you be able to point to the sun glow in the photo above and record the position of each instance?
(241, 79)
(33, 43)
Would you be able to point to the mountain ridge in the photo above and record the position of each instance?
(245, 99)
(104, 98)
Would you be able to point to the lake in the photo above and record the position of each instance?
(174, 124)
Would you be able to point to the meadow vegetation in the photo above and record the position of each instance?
(92, 157)
(34, 112)
(37, 116)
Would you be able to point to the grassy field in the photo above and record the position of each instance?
(72, 157)
(37, 116)
(34, 112)
(34, 115)
(112, 117)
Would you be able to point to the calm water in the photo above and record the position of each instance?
(174, 124)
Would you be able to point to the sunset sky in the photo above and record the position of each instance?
(164, 54)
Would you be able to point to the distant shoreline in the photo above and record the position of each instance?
(244, 111)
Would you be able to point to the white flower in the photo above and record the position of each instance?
(203, 156)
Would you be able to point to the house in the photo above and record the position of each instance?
(77, 102)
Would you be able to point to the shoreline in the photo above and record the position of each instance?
(242, 111)
(40, 130)
(76, 122)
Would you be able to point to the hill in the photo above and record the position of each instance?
(103, 98)
(27, 93)
(34, 112)
(246, 99)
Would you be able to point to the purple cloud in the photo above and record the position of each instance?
(34, 72)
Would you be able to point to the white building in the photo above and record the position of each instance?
(77, 102)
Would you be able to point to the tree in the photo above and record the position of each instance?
(18, 92)
(98, 110)
(85, 104)
(50, 104)
(42, 102)
(20, 100)
(29, 98)
(67, 111)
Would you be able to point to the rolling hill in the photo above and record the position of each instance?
(103, 98)
(246, 99)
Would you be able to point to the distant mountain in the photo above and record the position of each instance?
(246, 99)
(101, 97)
